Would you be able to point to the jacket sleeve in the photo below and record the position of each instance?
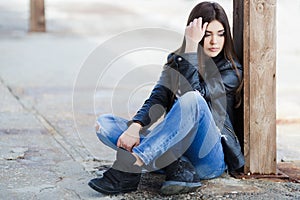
(159, 101)
(231, 82)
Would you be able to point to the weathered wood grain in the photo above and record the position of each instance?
(256, 21)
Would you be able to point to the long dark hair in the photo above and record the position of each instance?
(210, 11)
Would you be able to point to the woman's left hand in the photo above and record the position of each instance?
(130, 138)
(194, 33)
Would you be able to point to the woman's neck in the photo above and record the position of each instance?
(219, 59)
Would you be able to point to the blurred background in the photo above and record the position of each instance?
(41, 69)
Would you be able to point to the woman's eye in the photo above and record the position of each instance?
(221, 34)
(207, 34)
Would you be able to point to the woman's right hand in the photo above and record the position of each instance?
(194, 33)
(130, 138)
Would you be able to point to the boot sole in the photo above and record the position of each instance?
(175, 187)
(105, 191)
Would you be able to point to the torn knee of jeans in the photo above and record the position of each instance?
(97, 127)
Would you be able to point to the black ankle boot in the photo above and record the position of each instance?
(122, 177)
(181, 177)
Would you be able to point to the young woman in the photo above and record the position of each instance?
(198, 90)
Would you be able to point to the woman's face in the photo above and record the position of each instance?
(214, 39)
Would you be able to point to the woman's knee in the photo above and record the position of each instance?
(101, 122)
(109, 128)
(108, 123)
(103, 119)
(193, 97)
(97, 127)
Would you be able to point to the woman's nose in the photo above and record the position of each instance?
(213, 39)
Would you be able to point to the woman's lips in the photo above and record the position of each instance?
(213, 49)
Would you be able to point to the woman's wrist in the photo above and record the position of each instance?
(134, 129)
(191, 46)
(136, 125)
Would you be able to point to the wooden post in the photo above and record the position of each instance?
(37, 16)
(255, 39)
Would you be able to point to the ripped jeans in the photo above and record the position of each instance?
(187, 130)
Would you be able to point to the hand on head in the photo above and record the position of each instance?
(195, 31)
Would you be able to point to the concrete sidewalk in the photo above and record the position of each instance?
(48, 146)
(35, 162)
(39, 161)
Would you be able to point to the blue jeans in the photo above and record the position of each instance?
(187, 130)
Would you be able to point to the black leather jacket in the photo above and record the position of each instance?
(217, 83)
